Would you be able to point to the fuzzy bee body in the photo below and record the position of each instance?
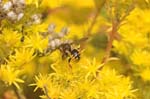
(68, 51)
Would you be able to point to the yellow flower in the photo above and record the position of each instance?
(145, 74)
(45, 83)
(85, 84)
(114, 86)
(92, 68)
(68, 94)
(41, 81)
(134, 32)
(140, 57)
(121, 47)
(10, 38)
(10, 76)
(142, 15)
(76, 84)
(137, 39)
(22, 56)
(37, 28)
(37, 42)
(53, 91)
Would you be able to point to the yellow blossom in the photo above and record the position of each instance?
(141, 57)
(45, 83)
(69, 94)
(10, 76)
(21, 57)
(122, 47)
(114, 86)
(92, 67)
(10, 38)
(36, 28)
(53, 91)
(145, 74)
(37, 42)
(41, 81)
(107, 83)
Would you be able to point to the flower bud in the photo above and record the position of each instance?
(20, 15)
(52, 44)
(36, 18)
(12, 15)
(7, 6)
(19, 1)
(51, 28)
(57, 42)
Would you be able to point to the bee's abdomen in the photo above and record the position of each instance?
(75, 53)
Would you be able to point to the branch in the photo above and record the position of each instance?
(19, 93)
(115, 27)
(98, 9)
(109, 44)
(92, 24)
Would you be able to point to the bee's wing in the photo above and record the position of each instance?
(81, 43)
(78, 42)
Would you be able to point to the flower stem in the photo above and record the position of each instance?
(115, 26)
(46, 93)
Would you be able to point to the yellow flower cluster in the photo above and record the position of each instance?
(31, 44)
(78, 82)
(21, 57)
(10, 76)
(10, 38)
(135, 40)
(37, 42)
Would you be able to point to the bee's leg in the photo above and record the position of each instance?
(70, 66)
(64, 55)
(22, 38)
(69, 60)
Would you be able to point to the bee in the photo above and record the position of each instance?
(67, 51)
(66, 48)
